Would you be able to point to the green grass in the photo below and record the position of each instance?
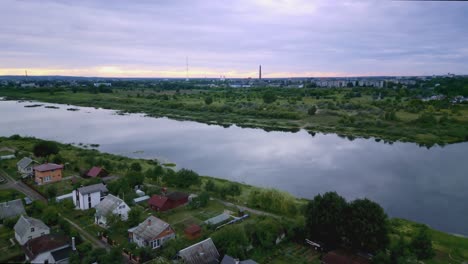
(7, 252)
(449, 248)
(10, 194)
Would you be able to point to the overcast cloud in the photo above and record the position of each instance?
(231, 38)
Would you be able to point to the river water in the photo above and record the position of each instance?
(412, 182)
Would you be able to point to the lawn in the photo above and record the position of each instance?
(8, 252)
(449, 248)
(10, 194)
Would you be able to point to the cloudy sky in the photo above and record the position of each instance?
(289, 38)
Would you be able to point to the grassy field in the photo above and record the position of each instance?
(352, 112)
(9, 194)
(7, 251)
(449, 248)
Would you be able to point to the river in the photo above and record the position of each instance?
(412, 182)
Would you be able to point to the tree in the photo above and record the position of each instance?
(232, 240)
(400, 252)
(135, 216)
(135, 166)
(324, 219)
(208, 100)
(265, 232)
(269, 97)
(210, 186)
(135, 178)
(45, 149)
(421, 244)
(200, 201)
(50, 215)
(51, 191)
(183, 178)
(312, 110)
(366, 226)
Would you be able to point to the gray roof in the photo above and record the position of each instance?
(61, 254)
(107, 205)
(11, 209)
(24, 162)
(218, 219)
(25, 223)
(150, 228)
(93, 188)
(203, 252)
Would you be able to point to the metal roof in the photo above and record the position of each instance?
(108, 204)
(93, 188)
(24, 162)
(11, 209)
(48, 167)
(218, 219)
(26, 223)
(150, 228)
(200, 253)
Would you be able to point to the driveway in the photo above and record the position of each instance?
(21, 187)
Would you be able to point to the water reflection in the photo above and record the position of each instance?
(407, 180)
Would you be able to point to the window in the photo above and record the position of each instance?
(47, 178)
(156, 243)
(32, 229)
(29, 237)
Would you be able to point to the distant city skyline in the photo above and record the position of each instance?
(289, 38)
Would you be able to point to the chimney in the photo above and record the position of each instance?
(149, 222)
(73, 244)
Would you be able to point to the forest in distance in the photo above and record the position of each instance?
(429, 112)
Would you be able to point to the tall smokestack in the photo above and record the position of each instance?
(260, 72)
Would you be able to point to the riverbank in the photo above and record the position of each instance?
(393, 119)
(448, 248)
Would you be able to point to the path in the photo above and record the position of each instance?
(21, 187)
(253, 211)
(94, 241)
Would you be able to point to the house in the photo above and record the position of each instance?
(89, 196)
(111, 205)
(152, 232)
(26, 166)
(48, 249)
(193, 231)
(230, 260)
(47, 173)
(11, 209)
(338, 257)
(204, 252)
(163, 203)
(28, 228)
(96, 172)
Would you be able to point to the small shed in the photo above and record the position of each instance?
(193, 231)
(218, 219)
(97, 172)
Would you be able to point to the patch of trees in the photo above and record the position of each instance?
(273, 201)
(45, 149)
(360, 225)
(184, 178)
(232, 240)
(223, 190)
